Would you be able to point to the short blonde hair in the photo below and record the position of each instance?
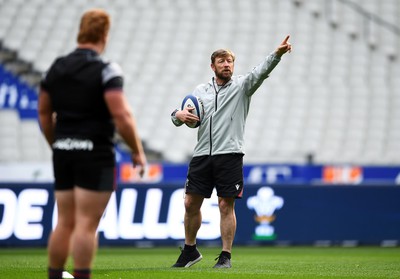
(222, 53)
(94, 26)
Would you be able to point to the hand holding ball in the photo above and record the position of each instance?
(195, 105)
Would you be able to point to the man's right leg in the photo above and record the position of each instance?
(59, 241)
(192, 221)
(193, 217)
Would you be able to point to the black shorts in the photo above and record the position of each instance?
(92, 170)
(222, 172)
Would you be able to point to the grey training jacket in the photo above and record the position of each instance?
(226, 109)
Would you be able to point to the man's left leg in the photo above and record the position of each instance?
(228, 230)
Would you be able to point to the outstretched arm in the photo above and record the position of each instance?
(262, 71)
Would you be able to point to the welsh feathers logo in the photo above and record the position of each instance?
(265, 203)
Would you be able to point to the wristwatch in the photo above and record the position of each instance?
(174, 112)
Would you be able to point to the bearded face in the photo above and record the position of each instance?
(223, 68)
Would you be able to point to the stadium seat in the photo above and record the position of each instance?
(9, 136)
(31, 141)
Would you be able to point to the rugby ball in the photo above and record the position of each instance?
(196, 103)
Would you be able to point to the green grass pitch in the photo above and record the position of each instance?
(247, 262)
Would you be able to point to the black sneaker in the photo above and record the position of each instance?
(188, 258)
(223, 262)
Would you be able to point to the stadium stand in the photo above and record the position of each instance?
(334, 100)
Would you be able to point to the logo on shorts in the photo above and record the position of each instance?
(264, 204)
(73, 144)
(237, 186)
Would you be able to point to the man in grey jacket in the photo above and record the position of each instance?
(218, 156)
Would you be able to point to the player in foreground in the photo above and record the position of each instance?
(81, 102)
(218, 156)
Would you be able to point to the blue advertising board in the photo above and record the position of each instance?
(16, 94)
(140, 214)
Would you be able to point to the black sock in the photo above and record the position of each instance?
(226, 254)
(189, 247)
(82, 273)
(55, 273)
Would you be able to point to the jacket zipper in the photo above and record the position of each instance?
(216, 104)
(210, 135)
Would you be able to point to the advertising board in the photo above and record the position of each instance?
(153, 215)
